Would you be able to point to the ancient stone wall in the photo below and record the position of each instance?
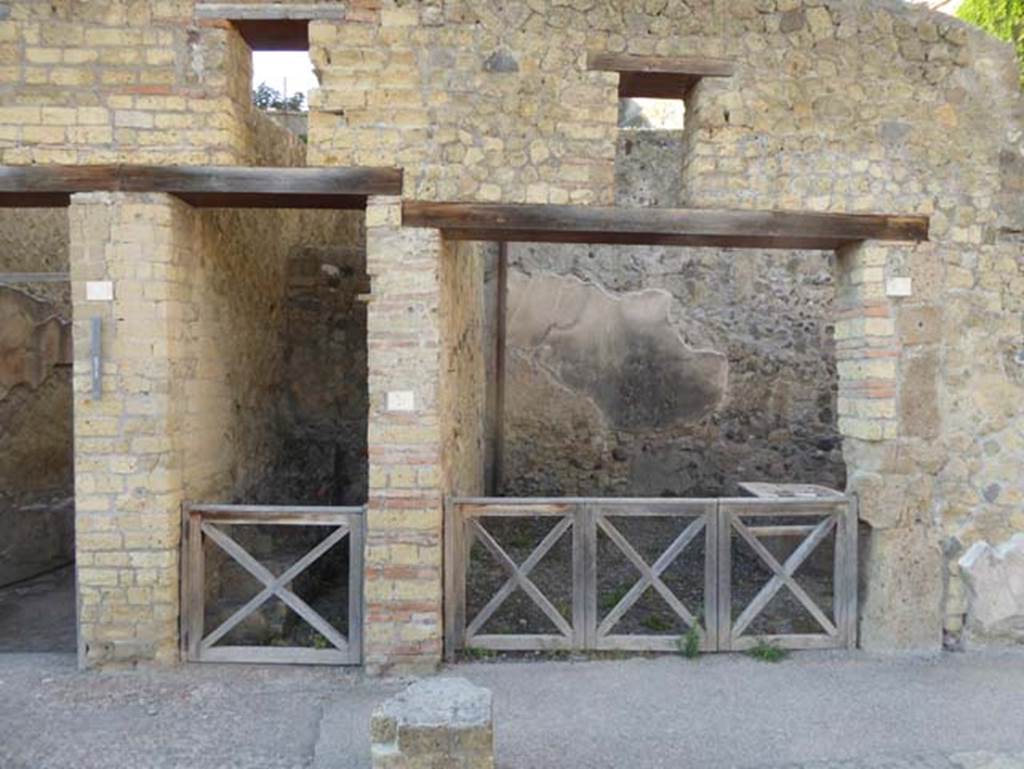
(676, 372)
(404, 519)
(129, 462)
(140, 82)
(834, 107)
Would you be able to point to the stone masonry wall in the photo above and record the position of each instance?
(404, 520)
(140, 82)
(881, 108)
(424, 324)
(129, 464)
(834, 107)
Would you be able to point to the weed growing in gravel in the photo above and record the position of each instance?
(689, 644)
(768, 652)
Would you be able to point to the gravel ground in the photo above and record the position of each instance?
(812, 711)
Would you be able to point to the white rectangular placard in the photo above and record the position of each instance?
(899, 287)
(99, 291)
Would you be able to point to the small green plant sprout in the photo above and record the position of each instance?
(611, 599)
(768, 652)
(689, 644)
(476, 653)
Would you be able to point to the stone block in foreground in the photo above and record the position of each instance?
(440, 723)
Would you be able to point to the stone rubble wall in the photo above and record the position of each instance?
(765, 411)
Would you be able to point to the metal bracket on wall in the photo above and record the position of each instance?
(96, 356)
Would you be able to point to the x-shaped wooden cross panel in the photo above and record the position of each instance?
(783, 574)
(519, 577)
(649, 575)
(275, 586)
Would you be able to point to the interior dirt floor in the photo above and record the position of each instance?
(38, 614)
(813, 710)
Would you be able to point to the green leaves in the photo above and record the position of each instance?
(1002, 18)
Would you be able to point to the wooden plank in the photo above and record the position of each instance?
(639, 643)
(696, 66)
(749, 507)
(654, 508)
(275, 655)
(513, 643)
(516, 511)
(239, 186)
(650, 226)
(452, 563)
(790, 491)
(356, 594)
(780, 531)
(846, 576)
(723, 597)
(500, 351)
(795, 642)
(588, 572)
(269, 11)
(196, 585)
(709, 640)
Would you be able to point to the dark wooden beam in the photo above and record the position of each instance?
(271, 26)
(659, 77)
(718, 228)
(274, 35)
(207, 186)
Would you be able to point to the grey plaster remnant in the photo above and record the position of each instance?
(501, 61)
(620, 350)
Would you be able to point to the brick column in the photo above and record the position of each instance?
(128, 467)
(404, 524)
(886, 444)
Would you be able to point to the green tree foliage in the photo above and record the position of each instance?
(266, 97)
(1002, 18)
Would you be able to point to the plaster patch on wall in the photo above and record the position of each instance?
(33, 339)
(619, 350)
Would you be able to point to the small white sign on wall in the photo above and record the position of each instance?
(401, 400)
(99, 291)
(899, 287)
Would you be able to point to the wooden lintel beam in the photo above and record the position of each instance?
(659, 77)
(650, 226)
(203, 185)
(694, 66)
(276, 35)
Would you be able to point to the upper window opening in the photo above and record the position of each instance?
(652, 114)
(282, 80)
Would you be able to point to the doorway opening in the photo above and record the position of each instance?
(37, 583)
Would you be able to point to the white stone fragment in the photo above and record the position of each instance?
(995, 583)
